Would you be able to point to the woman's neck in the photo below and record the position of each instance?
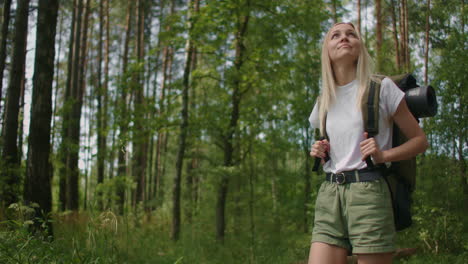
(344, 74)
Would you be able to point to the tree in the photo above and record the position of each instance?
(228, 148)
(140, 132)
(3, 43)
(10, 175)
(122, 114)
(37, 188)
(101, 105)
(378, 33)
(193, 6)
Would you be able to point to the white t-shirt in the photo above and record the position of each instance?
(345, 127)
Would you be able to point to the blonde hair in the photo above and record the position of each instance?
(364, 71)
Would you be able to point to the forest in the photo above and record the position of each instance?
(170, 131)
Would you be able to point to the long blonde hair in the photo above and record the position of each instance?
(364, 72)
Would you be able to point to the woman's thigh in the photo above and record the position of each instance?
(383, 258)
(322, 253)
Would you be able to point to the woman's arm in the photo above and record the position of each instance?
(417, 142)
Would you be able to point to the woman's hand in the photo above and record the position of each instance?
(370, 148)
(320, 148)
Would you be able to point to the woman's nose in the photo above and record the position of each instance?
(344, 38)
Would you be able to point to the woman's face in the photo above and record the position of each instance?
(343, 44)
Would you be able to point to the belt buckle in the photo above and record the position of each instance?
(340, 178)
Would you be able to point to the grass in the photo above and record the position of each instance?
(107, 238)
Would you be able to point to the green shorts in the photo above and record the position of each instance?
(355, 216)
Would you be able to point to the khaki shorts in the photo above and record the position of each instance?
(355, 216)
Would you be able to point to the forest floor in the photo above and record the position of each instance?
(107, 238)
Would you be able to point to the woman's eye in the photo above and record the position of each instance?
(334, 36)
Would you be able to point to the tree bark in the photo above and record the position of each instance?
(3, 44)
(63, 153)
(161, 144)
(101, 126)
(140, 139)
(192, 7)
(10, 172)
(359, 15)
(123, 123)
(242, 25)
(37, 188)
(395, 35)
(378, 30)
(426, 50)
(78, 90)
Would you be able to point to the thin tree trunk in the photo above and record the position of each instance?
(402, 35)
(37, 188)
(251, 210)
(307, 180)
(235, 111)
(63, 153)
(407, 55)
(140, 132)
(78, 90)
(153, 175)
(192, 7)
(21, 109)
(57, 86)
(101, 134)
(192, 178)
(161, 144)
(106, 75)
(10, 173)
(3, 44)
(123, 126)
(378, 16)
(395, 35)
(426, 50)
(359, 15)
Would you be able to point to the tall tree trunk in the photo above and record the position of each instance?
(192, 178)
(402, 35)
(3, 44)
(21, 109)
(101, 113)
(123, 125)
(407, 50)
(395, 34)
(140, 132)
(161, 144)
(57, 80)
(78, 90)
(307, 180)
(63, 153)
(152, 158)
(9, 174)
(359, 15)
(37, 187)
(192, 7)
(426, 50)
(378, 30)
(242, 25)
(106, 78)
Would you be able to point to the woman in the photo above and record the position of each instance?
(356, 216)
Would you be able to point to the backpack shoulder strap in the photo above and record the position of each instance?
(370, 109)
(370, 113)
(323, 122)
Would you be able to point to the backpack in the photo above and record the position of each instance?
(401, 176)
